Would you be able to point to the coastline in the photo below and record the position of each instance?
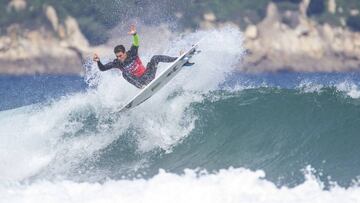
(300, 45)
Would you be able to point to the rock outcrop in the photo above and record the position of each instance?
(274, 45)
(17, 5)
(43, 50)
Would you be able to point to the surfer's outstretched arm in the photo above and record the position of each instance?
(105, 67)
(135, 45)
(101, 66)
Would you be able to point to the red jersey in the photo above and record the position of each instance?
(137, 68)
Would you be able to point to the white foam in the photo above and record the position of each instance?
(347, 87)
(351, 89)
(307, 86)
(34, 137)
(228, 185)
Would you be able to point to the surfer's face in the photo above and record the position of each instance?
(121, 56)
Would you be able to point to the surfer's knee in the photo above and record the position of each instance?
(155, 59)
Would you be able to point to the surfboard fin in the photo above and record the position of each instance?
(189, 64)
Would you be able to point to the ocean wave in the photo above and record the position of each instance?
(209, 117)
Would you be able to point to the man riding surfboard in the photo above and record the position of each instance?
(130, 64)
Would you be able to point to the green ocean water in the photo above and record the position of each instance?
(285, 132)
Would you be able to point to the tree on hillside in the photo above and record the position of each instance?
(316, 7)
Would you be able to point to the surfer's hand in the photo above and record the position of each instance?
(132, 30)
(96, 58)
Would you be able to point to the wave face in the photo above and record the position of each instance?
(276, 130)
(210, 134)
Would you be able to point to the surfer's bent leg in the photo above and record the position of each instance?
(155, 60)
(151, 67)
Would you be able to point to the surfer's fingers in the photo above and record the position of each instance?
(96, 57)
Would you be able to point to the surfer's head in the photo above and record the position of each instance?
(119, 51)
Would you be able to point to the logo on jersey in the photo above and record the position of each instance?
(136, 68)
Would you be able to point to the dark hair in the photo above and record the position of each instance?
(119, 48)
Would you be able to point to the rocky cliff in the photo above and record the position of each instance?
(42, 50)
(291, 41)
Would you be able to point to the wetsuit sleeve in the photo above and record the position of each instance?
(135, 46)
(105, 67)
(136, 40)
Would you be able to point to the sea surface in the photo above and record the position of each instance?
(211, 135)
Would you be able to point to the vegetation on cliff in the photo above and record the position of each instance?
(95, 16)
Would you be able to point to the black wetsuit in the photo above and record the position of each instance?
(127, 66)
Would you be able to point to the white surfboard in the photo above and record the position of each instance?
(161, 80)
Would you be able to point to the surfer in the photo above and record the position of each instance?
(130, 64)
